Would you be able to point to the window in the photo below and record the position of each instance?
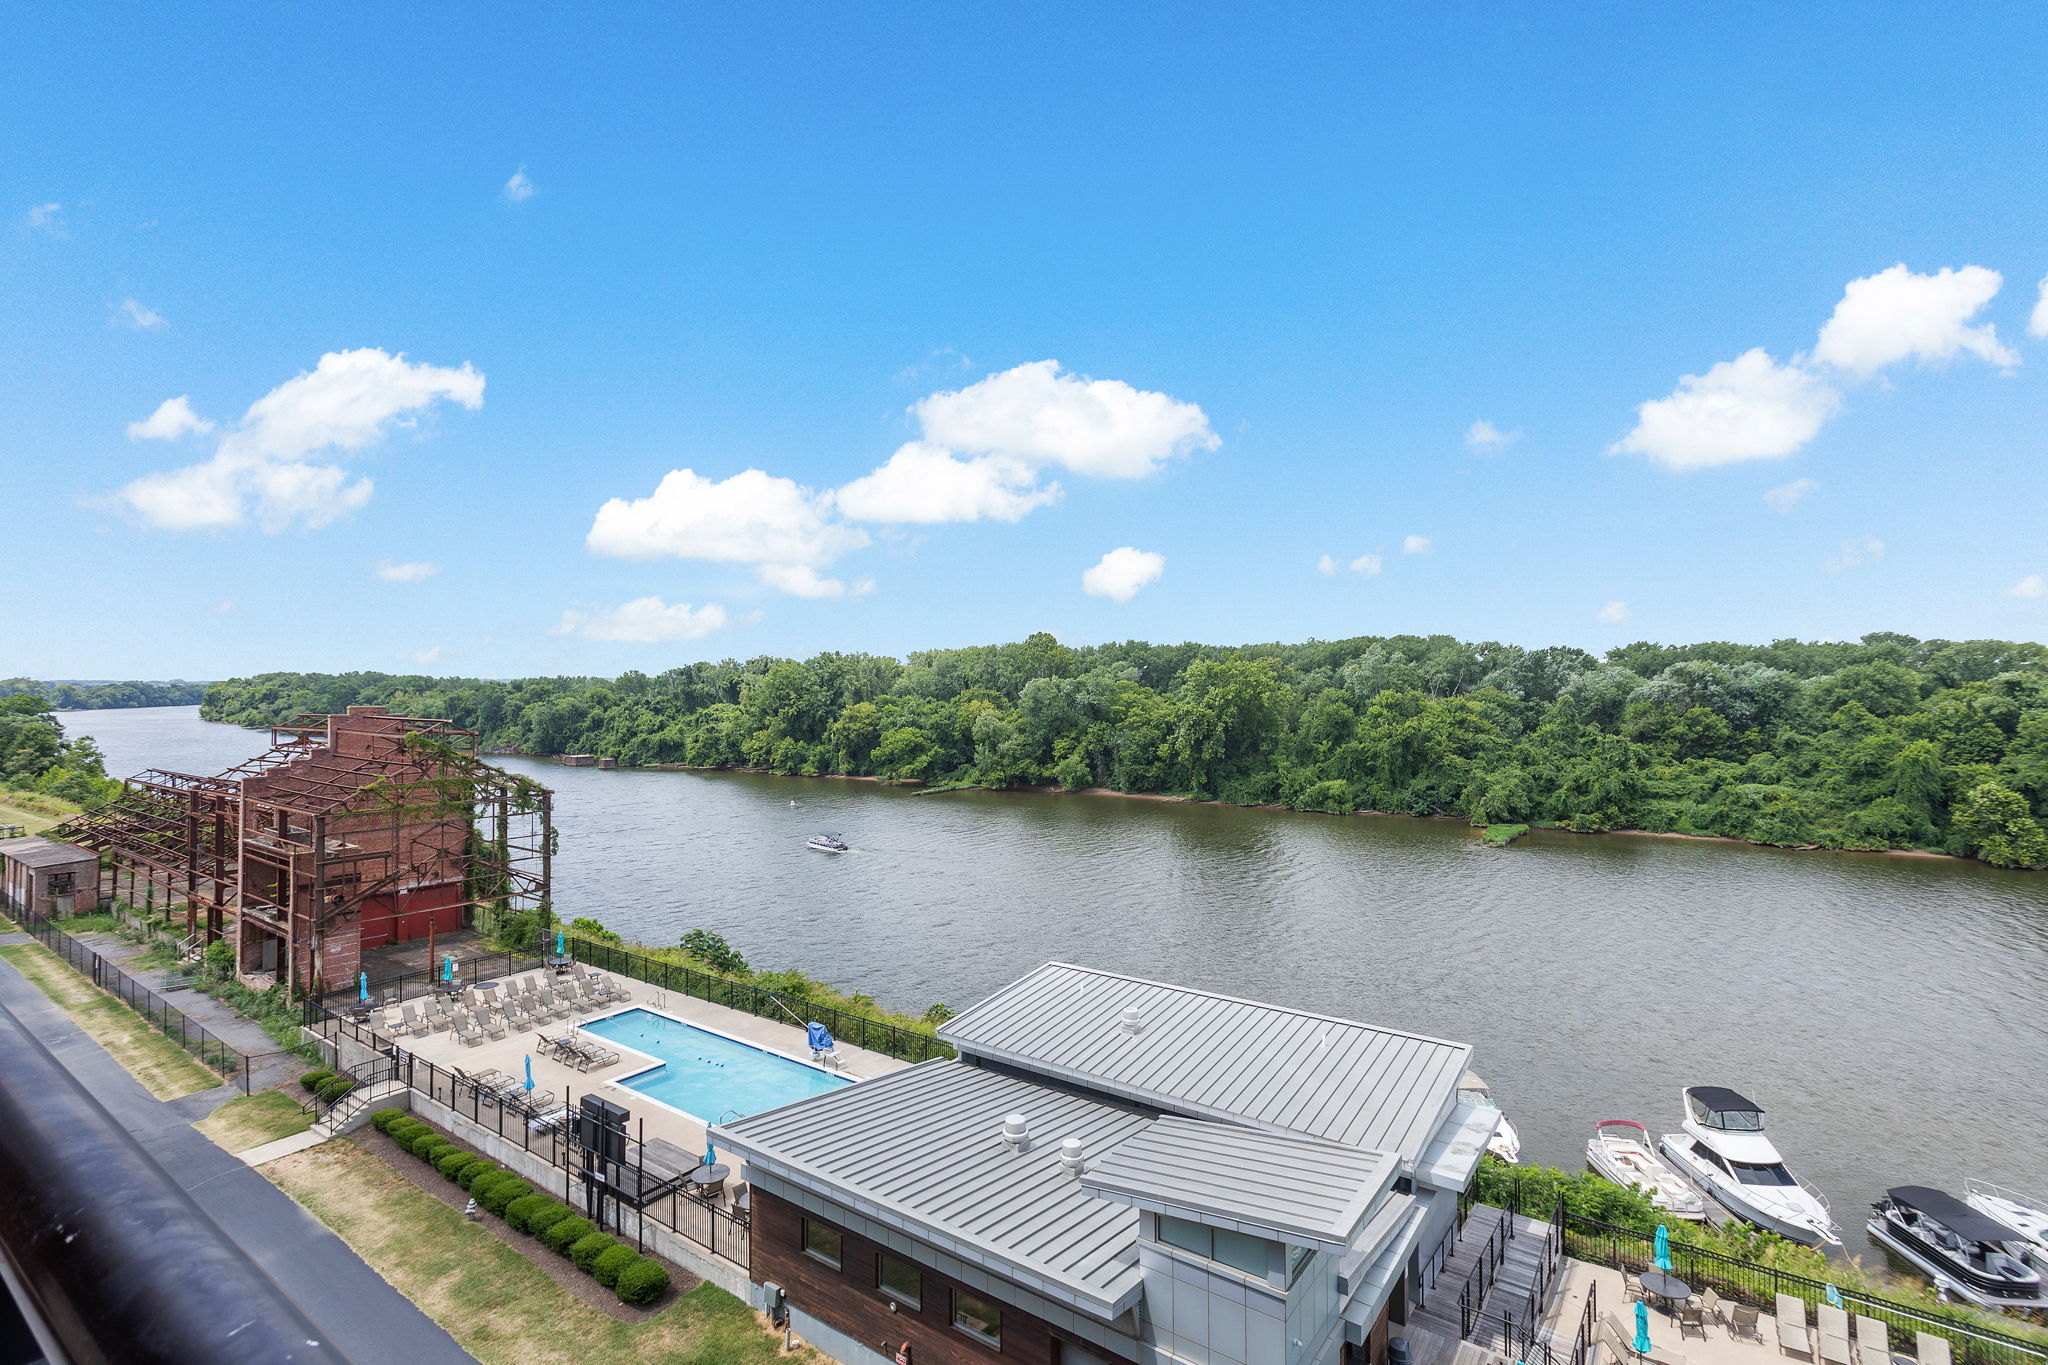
(899, 1279)
(1760, 1173)
(1297, 1261)
(823, 1243)
(1179, 1232)
(1238, 1250)
(978, 1318)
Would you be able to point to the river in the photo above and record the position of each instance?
(1890, 1012)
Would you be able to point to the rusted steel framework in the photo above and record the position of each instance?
(354, 823)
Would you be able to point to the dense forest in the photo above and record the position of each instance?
(104, 696)
(36, 757)
(1886, 742)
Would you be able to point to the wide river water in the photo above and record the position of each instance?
(1890, 1012)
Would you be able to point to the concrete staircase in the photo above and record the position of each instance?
(353, 1109)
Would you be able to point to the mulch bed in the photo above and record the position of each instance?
(560, 1269)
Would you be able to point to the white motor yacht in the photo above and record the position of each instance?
(1504, 1143)
(1620, 1150)
(1971, 1251)
(2026, 1216)
(1723, 1151)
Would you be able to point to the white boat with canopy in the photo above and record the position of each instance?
(2025, 1215)
(1620, 1150)
(1723, 1151)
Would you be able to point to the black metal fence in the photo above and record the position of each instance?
(1601, 1243)
(471, 968)
(847, 1027)
(166, 1018)
(725, 1233)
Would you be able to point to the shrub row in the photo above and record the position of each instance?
(327, 1086)
(636, 1279)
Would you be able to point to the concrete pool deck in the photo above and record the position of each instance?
(509, 1054)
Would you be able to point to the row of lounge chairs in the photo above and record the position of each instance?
(494, 1084)
(1825, 1338)
(492, 1011)
(580, 1053)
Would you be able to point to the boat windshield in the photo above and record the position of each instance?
(1727, 1120)
(1755, 1173)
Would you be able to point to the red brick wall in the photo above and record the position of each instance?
(848, 1299)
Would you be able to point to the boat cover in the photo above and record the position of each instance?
(1721, 1100)
(1952, 1213)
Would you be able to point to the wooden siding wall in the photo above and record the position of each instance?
(849, 1299)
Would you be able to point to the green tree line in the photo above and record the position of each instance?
(1885, 742)
(104, 696)
(36, 757)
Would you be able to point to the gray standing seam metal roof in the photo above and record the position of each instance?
(1290, 1188)
(1264, 1065)
(34, 850)
(922, 1149)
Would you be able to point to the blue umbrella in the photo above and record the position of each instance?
(1642, 1341)
(561, 944)
(448, 968)
(710, 1153)
(1663, 1248)
(529, 1071)
(363, 987)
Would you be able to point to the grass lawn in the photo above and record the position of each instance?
(33, 811)
(254, 1120)
(167, 1070)
(496, 1303)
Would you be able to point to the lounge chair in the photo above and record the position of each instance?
(1793, 1337)
(493, 1026)
(1933, 1349)
(1873, 1342)
(394, 1022)
(1745, 1321)
(468, 1031)
(1834, 1335)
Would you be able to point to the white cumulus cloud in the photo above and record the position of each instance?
(2033, 585)
(1326, 566)
(1895, 315)
(263, 464)
(1366, 564)
(139, 316)
(411, 572)
(645, 621)
(518, 189)
(1749, 408)
(774, 524)
(1119, 574)
(431, 655)
(46, 218)
(1484, 435)
(1034, 413)
(1418, 545)
(2037, 321)
(923, 482)
(1787, 496)
(1855, 553)
(1614, 613)
(173, 418)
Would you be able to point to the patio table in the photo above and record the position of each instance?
(1666, 1287)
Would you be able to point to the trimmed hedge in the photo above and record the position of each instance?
(502, 1192)
(567, 1232)
(448, 1163)
(605, 1269)
(642, 1282)
(312, 1080)
(405, 1130)
(469, 1177)
(584, 1253)
(384, 1118)
(426, 1145)
(333, 1088)
(517, 1211)
(547, 1215)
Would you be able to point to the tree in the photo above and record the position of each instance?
(1995, 822)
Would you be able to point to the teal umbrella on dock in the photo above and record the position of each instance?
(1642, 1341)
(1663, 1248)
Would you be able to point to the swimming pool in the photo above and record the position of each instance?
(708, 1075)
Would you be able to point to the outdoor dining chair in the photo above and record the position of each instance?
(1710, 1305)
(1745, 1321)
(1692, 1318)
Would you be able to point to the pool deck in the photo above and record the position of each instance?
(509, 1054)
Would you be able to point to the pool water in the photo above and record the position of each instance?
(708, 1075)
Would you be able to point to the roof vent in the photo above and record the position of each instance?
(1133, 1019)
(1016, 1129)
(1070, 1155)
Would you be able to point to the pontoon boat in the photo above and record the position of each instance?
(827, 843)
(1972, 1251)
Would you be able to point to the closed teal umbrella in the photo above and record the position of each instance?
(529, 1071)
(1642, 1341)
(363, 983)
(1663, 1248)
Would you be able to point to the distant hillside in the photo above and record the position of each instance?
(105, 696)
(1887, 742)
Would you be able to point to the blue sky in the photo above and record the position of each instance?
(1284, 259)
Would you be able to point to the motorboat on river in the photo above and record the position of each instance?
(1972, 1255)
(1505, 1142)
(828, 843)
(1620, 1150)
(1723, 1151)
(2024, 1215)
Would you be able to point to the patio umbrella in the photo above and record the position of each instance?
(1642, 1341)
(1663, 1248)
(363, 987)
(561, 944)
(448, 968)
(710, 1153)
(529, 1071)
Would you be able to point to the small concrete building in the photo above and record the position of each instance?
(40, 876)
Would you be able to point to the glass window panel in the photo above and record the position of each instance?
(825, 1243)
(977, 1317)
(1179, 1232)
(900, 1280)
(1242, 1252)
(1297, 1261)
